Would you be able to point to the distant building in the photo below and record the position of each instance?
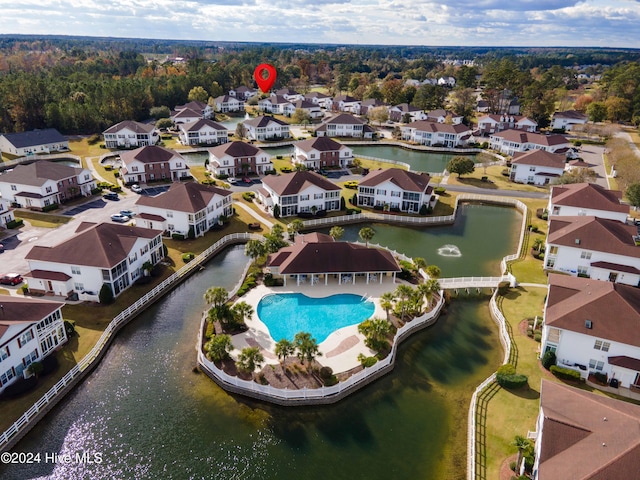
(321, 152)
(566, 120)
(398, 113)
(227, 103)
(33, 142)
(6, 213)
(153, 163)
(266, 128)
(512, 141)
(203, 109)
(428, 133)
(396, 189)
(488, 124)
(130, 134)
(587, 199)
(203, 132)
(344, 125)
(243, 93)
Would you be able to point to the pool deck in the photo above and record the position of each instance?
(341, 348)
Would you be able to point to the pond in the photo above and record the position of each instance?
(418, 160)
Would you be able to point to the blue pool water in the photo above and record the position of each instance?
(286, 314)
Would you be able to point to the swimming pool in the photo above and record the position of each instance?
(286, 314)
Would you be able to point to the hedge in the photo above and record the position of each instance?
(548, 359)
(511, 382)
(18, 222)
(439, 190)
(187, 257)
(48, 208)
(565, 373)
(177, 236)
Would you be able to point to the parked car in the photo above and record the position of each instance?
(11, 279)
(118, 217)
(232, 180)
(127, 213)
(247, 180)
(135, 188)
(111, 196)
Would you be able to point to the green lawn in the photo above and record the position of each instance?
(528, 269)
(495, 180)
(44, 220)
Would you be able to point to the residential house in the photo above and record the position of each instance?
(324, 101)
(227, 103)
(512, 141)
(298, 192)
(98, 254)
(488, 124)
(318, 257)
(238, 158)
(243, 93)
(428, 133)
(153, 163)
(482, 106)
(587, 199)
(6, 213)
(567, 119)
(537, 167)
(447, 82)
(266, 128)
(185, 208)
(444, 116)
(130, 134)
(321, 152)
(344, 125)
(593, 247)
(592, 326)
(346, 103)
(203, 132)
(32, 142)
(370, 103)
(276, 104)
(31, 329)
(204, 109)
(585, 435)
(288, 94)
(186, 115)
(311, 108)
(396, 190)
(404, 112)
(45, 183)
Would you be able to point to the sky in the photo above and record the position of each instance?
(597, 23)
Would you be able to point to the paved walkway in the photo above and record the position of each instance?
(254, 214)
(539, 285)
(89, 161)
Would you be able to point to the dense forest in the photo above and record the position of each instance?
(84, 85)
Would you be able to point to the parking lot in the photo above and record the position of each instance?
(153, 191)
(99, 203)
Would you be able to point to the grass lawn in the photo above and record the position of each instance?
(81, 147)
(613, 183)
(108, 175)
(495, 180)
(528, 269)
(45, 220)
(375, 164)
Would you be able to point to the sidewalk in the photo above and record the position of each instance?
(254, 214)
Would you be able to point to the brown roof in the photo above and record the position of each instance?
(101, 245)
(152, 217)
(203, 122)
(625, 362)
(539, 158)
(572, 114)
(429, 126)
(195, 105)
(188, 197)
(16, 310)
(319, 253)
(504, 118)
(344, 119)
(136, 127)
(587, 436)
(37, 173)
(617, 267)
(187, 113)
(407, 108)
(322, 144)
(263, 121)
(613, 308)
(48, 275)
(594, 233)
(294, 182)
(149, 154)
(409, 181)
(235, 149)
(518, 136)
(588, 195)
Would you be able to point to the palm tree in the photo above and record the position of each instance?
(419, 263)
(284, 348)
(254, 249)
(277, 231)
(537, 244)
(375, 330)
(403, 293)
(307, 347)
(294, 228)
(336, 232)
(219, 347)
(249, 359)
(386, 302)
(522, 444)
(243, 310)
(433, 271)
(366, 234)
(216, 295)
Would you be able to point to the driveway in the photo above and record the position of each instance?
(592, 154)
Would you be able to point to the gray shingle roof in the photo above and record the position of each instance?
(34, 138)
(292, 183)
(37, 173)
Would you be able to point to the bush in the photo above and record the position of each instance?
(248, 196)
(191, 234)
(506, 369)
(106, 294)
(326, 372)
(48, 208)
(108, 168)
(70, 329)
(601, 377)
(367, 362)
(378, 207)
(93, 139)
(439, 190)
(248, 284)
(222, 176)
(548, 359)
(17, 223)
(565, 373)
(512, 382)
(177, 236)
(424, 209)
(96, 191)
(187, 257)
(537, 336)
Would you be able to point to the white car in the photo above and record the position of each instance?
(135, 188)
(232, 180)
(118, 217)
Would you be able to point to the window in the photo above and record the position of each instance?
(14, 188)
(553, 250)
(75, 270)
(25, 338)
(78, 287)
(169, 214)
(585, 255)
(395, 194)
(29, 359)
(304, 197)
(556, 210)
(7, 376)
(596, 365)
(381, 192)
(318, 196)
(532, 169)
(583, 270)
(4, 353)
(602, 345)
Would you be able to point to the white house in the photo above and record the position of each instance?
(266, 128)
(130, 134)
(45, 183)
(30, 330)
(512, 141)
(276, 104)
(311, 108)
(580, 434)
(98, 254)
(346, 103)
(186, 115)
(203, 132)
(321, 152)
(567, 119)
(204, 109)
(488, 124)
(6, 213)
(227, 103)
(153, 163)
(324, 101)
(444, 116)
(447, 81)
(592, 326)
(35, 141)
(593, 247)
(185, 207)
(288, 94)
(298, 192)
(395, 189)
(238, 158)
(243, 93)
(587, 199)
(537, 167)
(405, 111)
(428, 133)
(344, 125)
(369, 104)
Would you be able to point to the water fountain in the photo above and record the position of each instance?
(449, 251)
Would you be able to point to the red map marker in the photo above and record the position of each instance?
(265, 82)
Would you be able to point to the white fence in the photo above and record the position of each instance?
(310, 396)
(33, 158)
(32, 415)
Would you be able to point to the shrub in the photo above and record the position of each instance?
(507, 377)
(93, 139)
(222, 176)
(537, 336)
(505, 172)
(424, 209)
(286, 169)
(378, 207)
(108, 168)
(116, 174)
(506, 369)
(367, 362)
(106, 294)
(177, 236)
(25, 288)
(600, 377)
(191, 234)
(17, 223)
(276, 211)
(439, 190)
(70, 329)
(565, 373)
(48, 208)
(188, 256)
(96, 191)
(248, 196)
(548, 359)
(326, 372)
